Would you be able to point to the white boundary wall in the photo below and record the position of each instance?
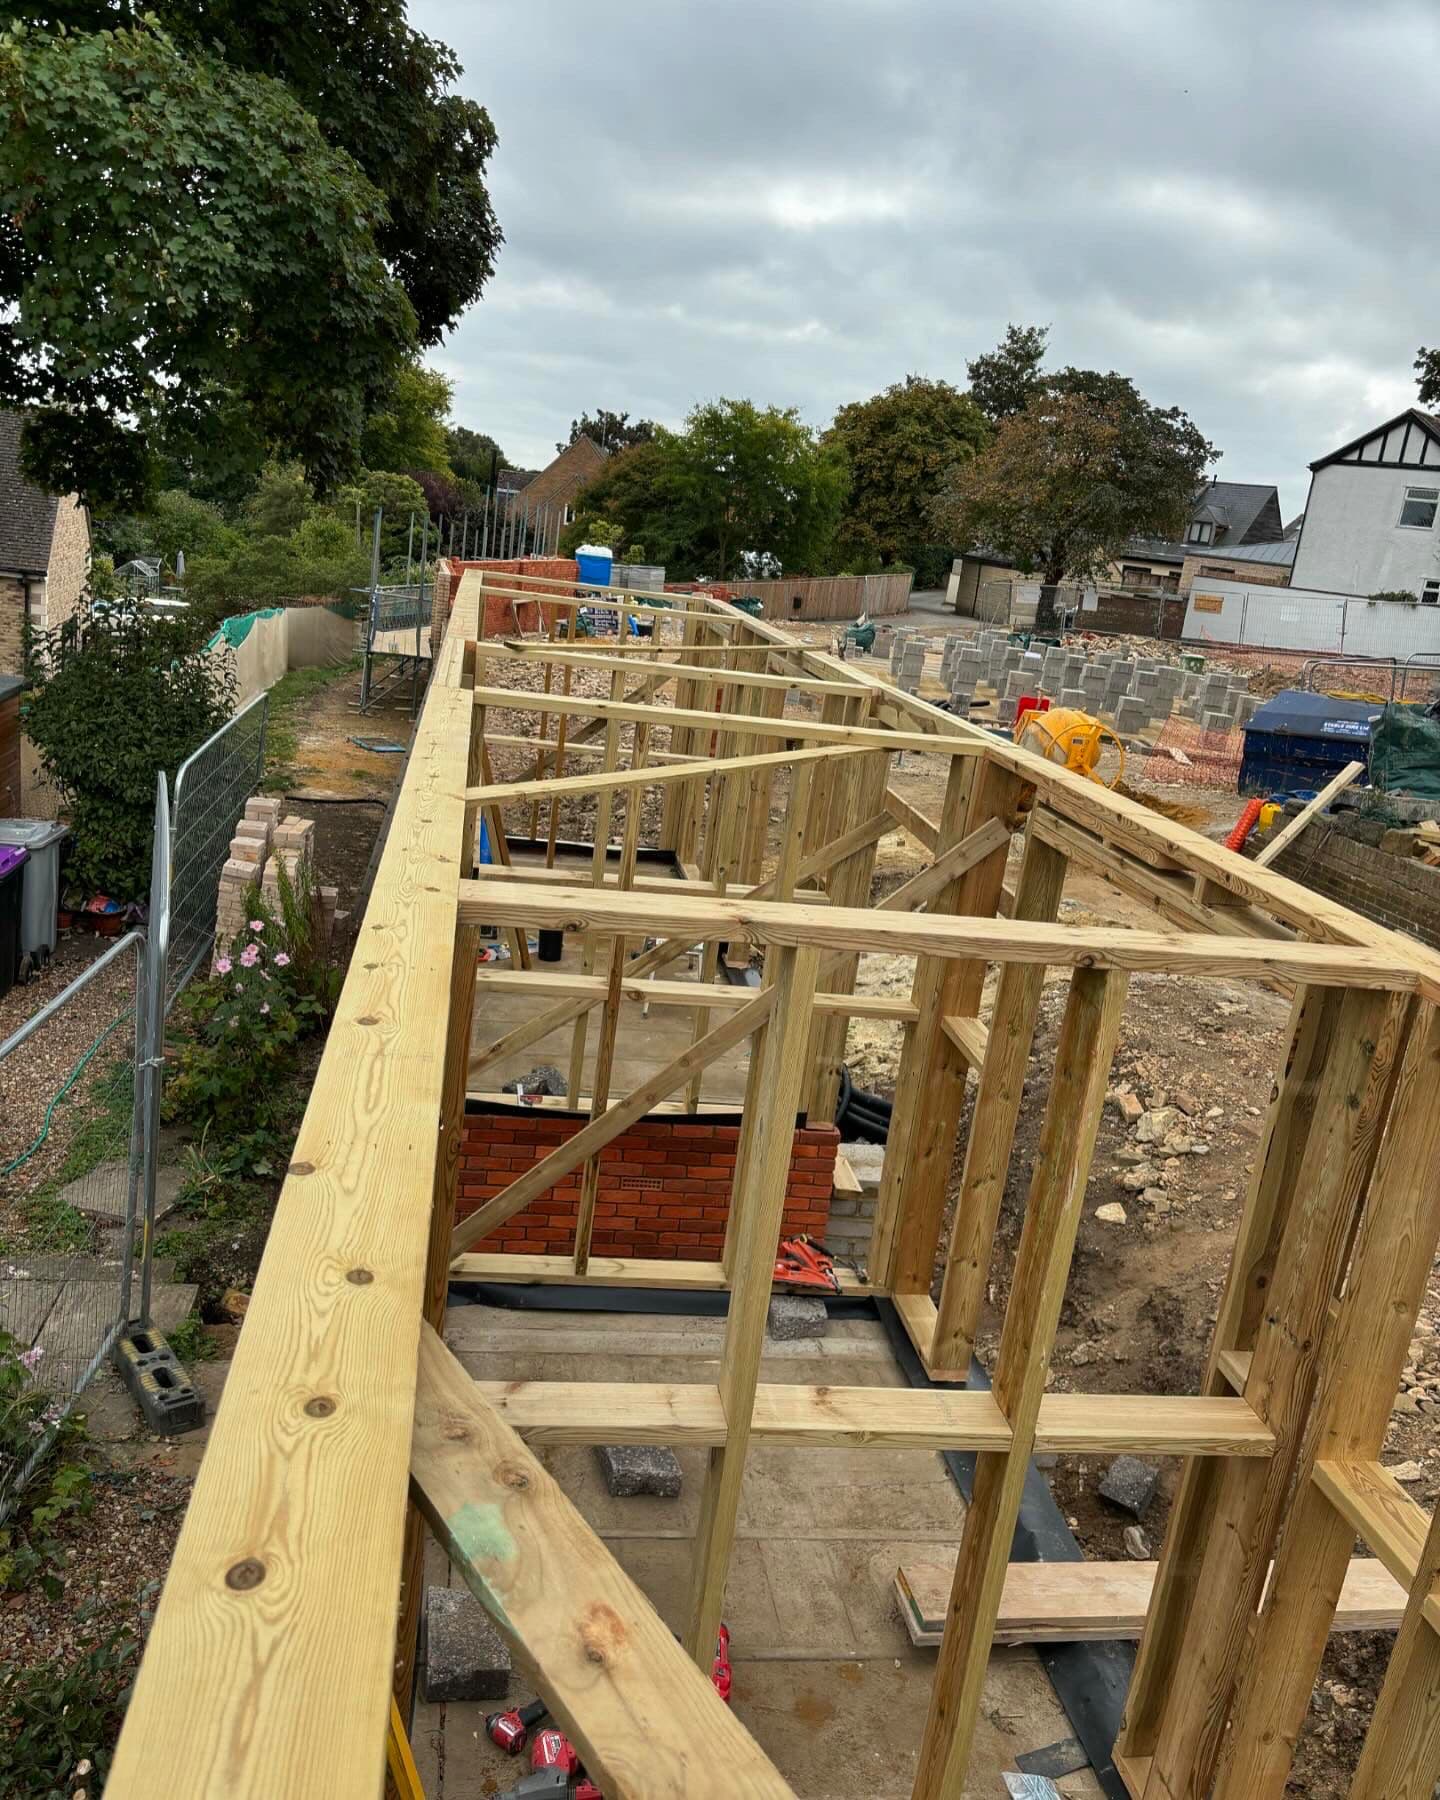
(1308, 620)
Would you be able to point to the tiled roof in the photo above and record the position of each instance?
(27, 513)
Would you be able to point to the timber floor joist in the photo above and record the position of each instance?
(346, 1424)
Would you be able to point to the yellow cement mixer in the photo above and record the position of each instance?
(1070, 738)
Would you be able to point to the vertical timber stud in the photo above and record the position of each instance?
(766, 1147)
(1083, 1056)
(604, 806)
(1364, 1355)
(931, 1090)
(1274, 1178)
(1401, 1758)
(1248, 1503)
(992, 1130)
(437, 1269)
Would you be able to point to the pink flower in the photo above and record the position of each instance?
(30, 1359)
(282, 961)
(257, 924)
(223, 965)
(249, 956)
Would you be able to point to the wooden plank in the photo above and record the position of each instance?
(1094, 1602)
(1086, 1046)
(969, 1036)
(1366, 1350)
(600, 1131)
(797, 730)
(266, 1585)
(671, 671)
(765, 1162)
(621, 780)
(646, 1721)
(1240, 1543)
(991, 1144)
(985, 840)
(695, 917)
(1286, 836)
(911, 819)
(682, 993)
(927, 1418)
(609, 1271)
(642, 884)
(1401, 1758)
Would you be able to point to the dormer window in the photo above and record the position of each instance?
(1419, 508)
(1201, 532)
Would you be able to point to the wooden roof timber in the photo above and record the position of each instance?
(742, 724)
(699, 917)
(1114, 816)
(608, 780)
(672, 671)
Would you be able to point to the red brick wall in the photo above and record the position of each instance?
(664, 1188)
(501, 615)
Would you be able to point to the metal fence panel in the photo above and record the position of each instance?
(211, 789)
(70, 1177)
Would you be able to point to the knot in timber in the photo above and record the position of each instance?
(320, 1407)
(455, 1430)
(300, 1168)
(602, 1633)
(367, 1019)
(245, 1574)
(359, 1277)
(511, 1475)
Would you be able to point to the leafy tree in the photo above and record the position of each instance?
(379, 91)
(1070, 479)
(319, 557)
(635, 496)
(443, 497)
(399, 497)
(121, 691)
(1004, 382)
(899, 446)
(610, 430)
(757, 481)
(1427, 368)
(184, 264)
(473, 455)
(407, 428)
(281, 502)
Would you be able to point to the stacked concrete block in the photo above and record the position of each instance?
(1216, 721)
(1131, 715)
(1094, 682)
(1073, 697)
(1245, 709)
(1007, 708)
(1017, 682)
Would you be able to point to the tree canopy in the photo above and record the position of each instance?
(1006, 379)
(407, 427)
(610, 430)
(1427, 368)
(379, 91)
(738, 480)
(184, 262)
(900, 445)
(1085, 466)
(474, 455)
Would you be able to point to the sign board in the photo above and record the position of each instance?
(1211, 603)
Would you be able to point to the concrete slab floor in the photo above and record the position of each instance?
(825, 1676)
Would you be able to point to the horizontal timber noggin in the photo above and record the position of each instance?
(279, 1682)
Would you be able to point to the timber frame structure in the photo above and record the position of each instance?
(347, 1426)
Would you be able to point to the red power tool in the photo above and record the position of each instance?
(801, 1264)
(720, 1671)
(510, 1730)
(553, 1750)
(552, 1784)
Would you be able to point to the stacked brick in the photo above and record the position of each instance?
(664, 1187)
(263, 843)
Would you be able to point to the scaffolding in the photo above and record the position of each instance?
(273, 1656)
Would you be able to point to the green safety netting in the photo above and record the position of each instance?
(235, 631)
(1405, 752)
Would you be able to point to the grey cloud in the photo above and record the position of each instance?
(799, 201)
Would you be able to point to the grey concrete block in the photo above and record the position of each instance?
(1006, 710)
(1216, 721)
(631, 1469)
(1074, 697)
(1131, 715)
(796, 1316)
(464, 1654)
(1130, 1483)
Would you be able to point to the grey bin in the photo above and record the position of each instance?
(40, 902)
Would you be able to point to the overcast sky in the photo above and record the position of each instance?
(798, 201)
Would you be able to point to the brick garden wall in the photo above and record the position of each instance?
(664, 1187)
(1397, 891)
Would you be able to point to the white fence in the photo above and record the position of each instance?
(1309, 620)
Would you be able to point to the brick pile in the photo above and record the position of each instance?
(262, 844)
(664, 1187)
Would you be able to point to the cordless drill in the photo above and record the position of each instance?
(510, 1730)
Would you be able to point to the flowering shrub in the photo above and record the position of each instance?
(245, 1022)
(33, 1426)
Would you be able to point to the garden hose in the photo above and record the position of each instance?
(56, 1098)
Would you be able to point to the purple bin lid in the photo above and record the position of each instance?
(11, 857)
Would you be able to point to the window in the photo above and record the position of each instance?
(1430, 594)
(1201, 531)
(1420, 507)
(569, 515)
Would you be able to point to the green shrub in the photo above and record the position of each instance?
(59, 1720)
(121, 692)
(58, 1485)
